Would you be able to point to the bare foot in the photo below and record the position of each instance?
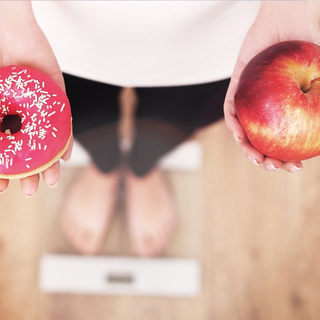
(88, 208)
(150, 212)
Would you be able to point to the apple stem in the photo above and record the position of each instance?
(307, 87)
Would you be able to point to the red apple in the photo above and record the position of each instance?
(278, 101)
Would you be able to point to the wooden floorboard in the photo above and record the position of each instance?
(20, 241)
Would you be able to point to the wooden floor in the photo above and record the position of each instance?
(256, 234)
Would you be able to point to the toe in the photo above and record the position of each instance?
(150, 244)
(89, 243)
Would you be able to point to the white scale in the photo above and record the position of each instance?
(120, 276)
(71, 274)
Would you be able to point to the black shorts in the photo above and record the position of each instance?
(165, 116)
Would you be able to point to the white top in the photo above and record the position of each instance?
(147, 43)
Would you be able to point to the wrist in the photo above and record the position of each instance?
(291, 9)
(290, 20)
(15, 11)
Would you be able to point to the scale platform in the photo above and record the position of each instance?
(70, 274)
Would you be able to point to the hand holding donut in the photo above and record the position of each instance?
(22, 43)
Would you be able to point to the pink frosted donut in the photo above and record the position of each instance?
(35, 122)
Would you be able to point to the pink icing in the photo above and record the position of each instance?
(45, 117)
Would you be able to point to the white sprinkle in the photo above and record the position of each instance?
(42, 84)
(28, 166)
(54, 134)
(28, 159)
(39, 146)
(49, 115)
(45, 147)
(62, 107)
(54, 128)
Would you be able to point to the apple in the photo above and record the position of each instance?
(277, 101)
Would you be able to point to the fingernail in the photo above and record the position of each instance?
(295, 169)
(3, 191)
(254, 161)
(30, 196)
(236, 137)
(52, 185)
(271, 167)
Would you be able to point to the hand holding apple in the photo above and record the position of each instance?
(276, 22)
(278, 101)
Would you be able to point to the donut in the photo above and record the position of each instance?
(35, 122)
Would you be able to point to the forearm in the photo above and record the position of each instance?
(292, 12)
(15, 10)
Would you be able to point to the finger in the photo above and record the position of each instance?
(292, 166)
(235, 127)
(3, 185)
(229, 106)
(55, 73)
(30, 185)
(51, 175)
(58, 78)
(251, 153)
(67, 154)
(47, 63)
(271, 164)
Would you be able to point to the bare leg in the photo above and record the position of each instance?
(150, 212)
(88, 208)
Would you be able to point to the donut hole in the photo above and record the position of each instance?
(11, 124)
